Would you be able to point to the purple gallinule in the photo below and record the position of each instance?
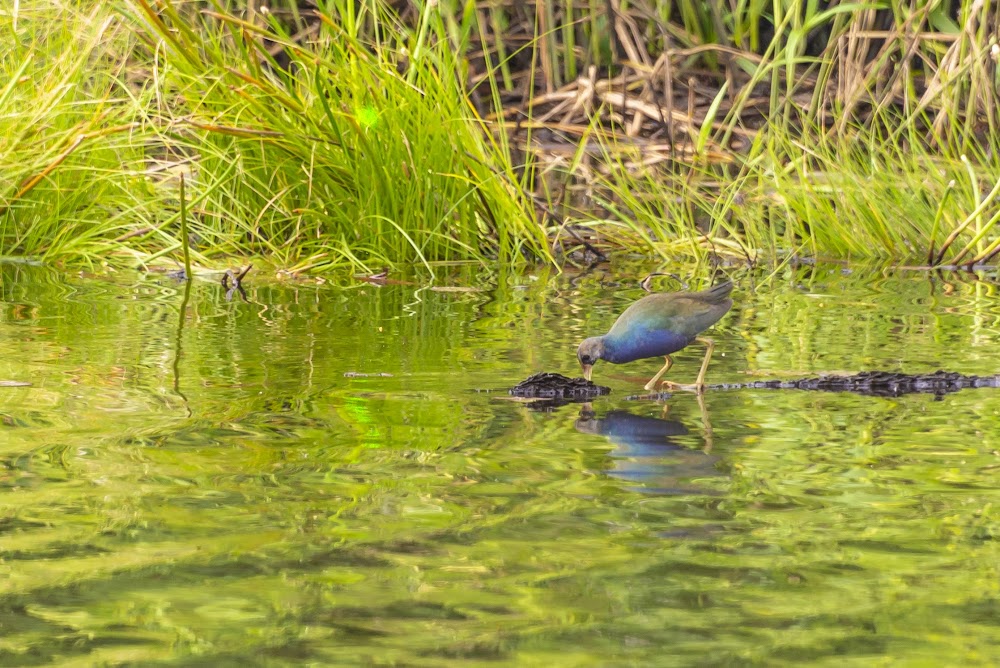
(659, 324)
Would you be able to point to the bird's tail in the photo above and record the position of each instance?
(720, 292)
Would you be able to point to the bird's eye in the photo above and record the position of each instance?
(586, 359)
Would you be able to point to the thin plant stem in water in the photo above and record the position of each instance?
(184, 237)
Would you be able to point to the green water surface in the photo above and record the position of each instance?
(222, 488)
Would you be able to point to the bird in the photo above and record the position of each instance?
(660, 324)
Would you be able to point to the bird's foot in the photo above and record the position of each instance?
(670, 386)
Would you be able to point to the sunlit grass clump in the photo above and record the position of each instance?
(70, 161)
(839, 199)
(332, 149)
(378, 134)
(764, 129)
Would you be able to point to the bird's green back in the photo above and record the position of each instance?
(686, 314)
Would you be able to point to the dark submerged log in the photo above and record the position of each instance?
(874, 383)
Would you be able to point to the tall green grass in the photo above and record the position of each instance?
(878, 138)
(71, 168)
(364, 137)
(359, 146)
(834, 198)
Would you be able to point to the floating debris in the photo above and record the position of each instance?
(454, 288)
(237, 283)
(557, 386)
(647, 283)
(380, 278)
(357, 374)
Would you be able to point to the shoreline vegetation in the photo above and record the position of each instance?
(343, 134)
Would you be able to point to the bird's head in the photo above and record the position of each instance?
(590, 351)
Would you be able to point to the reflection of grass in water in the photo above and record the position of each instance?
(264, 527)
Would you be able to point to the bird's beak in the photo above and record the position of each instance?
(587, 369)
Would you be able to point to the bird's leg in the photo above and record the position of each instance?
(699, 384)
(659, 374)
(709, 347)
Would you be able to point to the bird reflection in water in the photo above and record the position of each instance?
(646, 453)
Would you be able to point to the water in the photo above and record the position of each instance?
(216, 491)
